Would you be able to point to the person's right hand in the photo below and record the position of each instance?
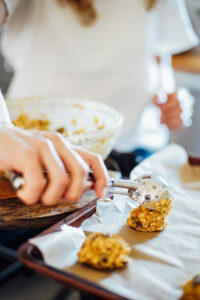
(30, 153)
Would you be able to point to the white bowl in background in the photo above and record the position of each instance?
(73, 115)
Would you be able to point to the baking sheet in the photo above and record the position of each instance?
(161, 262)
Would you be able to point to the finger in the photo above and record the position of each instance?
(58, 180)
(172, 101)
(73, 163)
(171, 114)
(173, 124)
(169, 105)
(28, 164)
(99, 170)
(35, 182)
(57, 177)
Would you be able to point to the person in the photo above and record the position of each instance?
(67, 166)
(110, 51)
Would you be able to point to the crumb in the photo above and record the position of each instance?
(101, 127)
(96, 120)
(74, 121)
(81, 106)
(79, 131)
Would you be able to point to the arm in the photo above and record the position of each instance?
(7, 8)
(167, 99)
(176, 105)
(174, 34)
(3, 12)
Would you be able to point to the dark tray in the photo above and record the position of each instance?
(32, 258)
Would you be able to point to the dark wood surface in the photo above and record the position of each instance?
(194, 160)
(6, 190)
(188, 61)
(32, 258)
(16, 215)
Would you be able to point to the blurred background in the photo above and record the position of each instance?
(187, 67)
(187, 70)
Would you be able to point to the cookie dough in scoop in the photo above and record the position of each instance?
(155, 202)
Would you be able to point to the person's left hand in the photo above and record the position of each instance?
(171, 112)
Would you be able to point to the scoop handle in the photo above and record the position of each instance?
(18, 181)
(122, 183)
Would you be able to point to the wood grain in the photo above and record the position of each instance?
(16, 215)
(6, 189)
(188, 61)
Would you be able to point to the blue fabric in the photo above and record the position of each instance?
(141, 154)
(8, 235)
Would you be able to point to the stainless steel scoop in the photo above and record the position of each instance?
(147, 189)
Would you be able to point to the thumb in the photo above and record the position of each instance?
(155, 100)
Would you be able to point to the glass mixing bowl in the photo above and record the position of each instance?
(92, 125)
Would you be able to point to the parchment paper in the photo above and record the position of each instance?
(161, 262)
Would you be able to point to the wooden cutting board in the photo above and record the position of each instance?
(15, 215)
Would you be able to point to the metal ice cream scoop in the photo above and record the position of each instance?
(147, 190)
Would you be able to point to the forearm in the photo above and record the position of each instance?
(3, 12)
(166, 98)
(7, 8)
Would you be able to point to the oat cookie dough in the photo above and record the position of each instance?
(25, 122)
(104, 252)
(144, 219)
(191, 290)
(155, 199)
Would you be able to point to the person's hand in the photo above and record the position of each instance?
(171, 112)
(93, 162)
(98, 168)
(177, 111)
(29, 153)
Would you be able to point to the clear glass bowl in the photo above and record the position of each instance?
(100, 124)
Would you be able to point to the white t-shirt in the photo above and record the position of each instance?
(52, 54)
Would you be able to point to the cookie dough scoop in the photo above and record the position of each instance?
(155, 202)
(153, 193)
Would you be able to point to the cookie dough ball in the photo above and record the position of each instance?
(155, 202)
(104, 252)
(153, 193)
(143, 219)
(191, 290)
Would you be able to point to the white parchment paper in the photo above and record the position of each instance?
(161, 261)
